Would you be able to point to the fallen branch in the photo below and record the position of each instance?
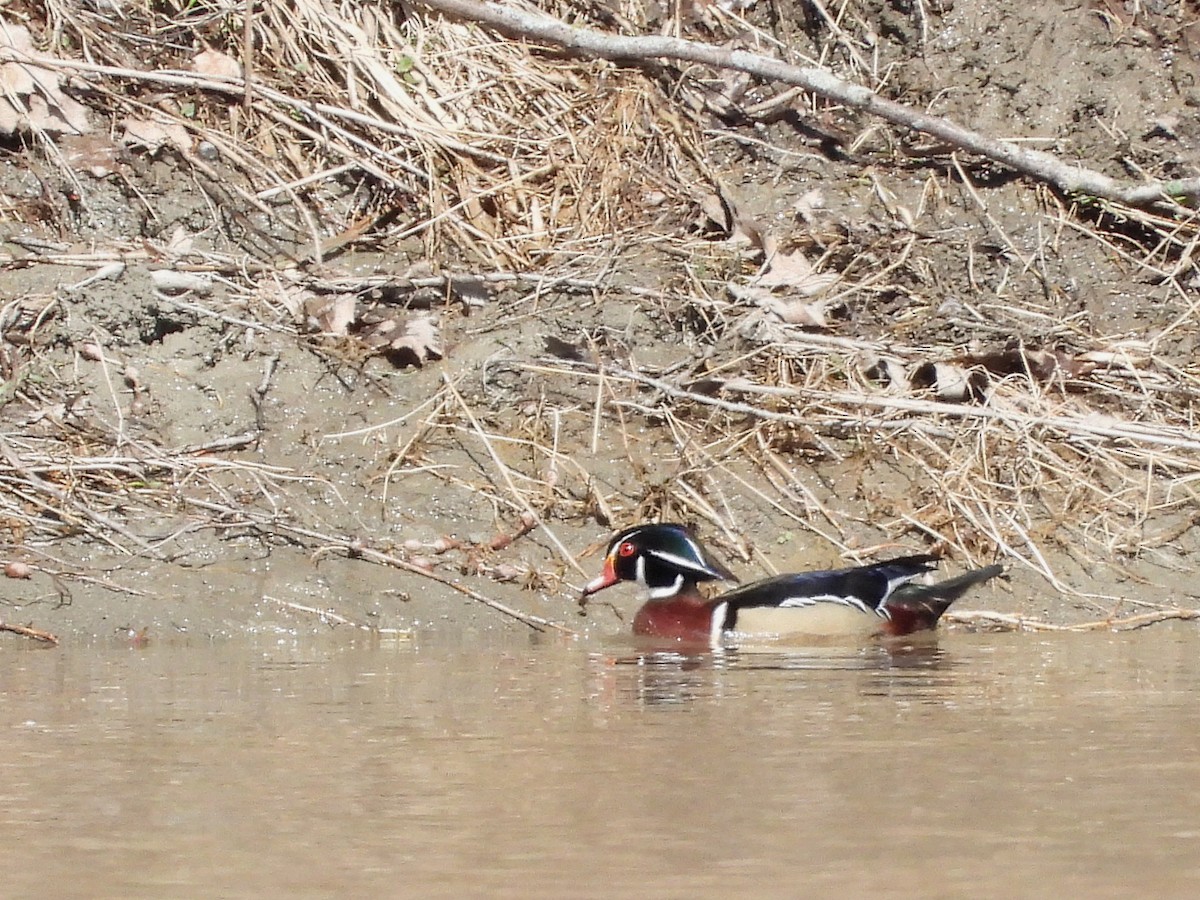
(354, 548)
(1071, 427)
(328, 616)
(1068, 178)
(35, 633)
(1010, 622)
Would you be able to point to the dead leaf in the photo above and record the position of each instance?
(338, 314)
(218, 64)
(1040, 365)
(794, 271)
(419, 342)
(798, 312)
(714, 212)
(470, 290)
(721, 210)
(793, 311)
(95, 154)
(808, 204)
(951, 383)
(31, 96)
(888, 371)
(154, 134)
(747, 233)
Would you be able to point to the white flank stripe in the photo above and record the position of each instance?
(719, 614)
(854, 602)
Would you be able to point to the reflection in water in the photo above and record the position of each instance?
(991, 765)
(902, 670)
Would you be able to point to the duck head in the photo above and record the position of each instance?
(661, 558)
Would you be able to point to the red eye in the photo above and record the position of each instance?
(626, 549)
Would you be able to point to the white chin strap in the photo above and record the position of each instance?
(662, 592)
(670, 590)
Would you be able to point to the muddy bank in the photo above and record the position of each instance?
(227, 406)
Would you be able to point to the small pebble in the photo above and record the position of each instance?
(506, 572)
(442, 544)
(91, 351)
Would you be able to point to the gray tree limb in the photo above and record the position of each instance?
(1066, 177)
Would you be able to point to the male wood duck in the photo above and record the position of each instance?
(876, 599)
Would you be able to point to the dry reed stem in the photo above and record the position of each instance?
(35, 634)
(1069, 178)
(1065, 454)
(1011, 622)
(329, 616)
(506, 474)
(434, 113)
(354, 548)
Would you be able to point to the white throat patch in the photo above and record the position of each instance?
(662, 592)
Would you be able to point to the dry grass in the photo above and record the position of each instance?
(487, 148)
(364, 125)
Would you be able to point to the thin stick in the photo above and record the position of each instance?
(248, 53)
(328, 615)
(519, 496)
(1166, 436)
(354, 548)
(35, 633)
(1012, 622)
(635, 48)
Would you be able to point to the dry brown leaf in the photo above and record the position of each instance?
(808, 314)
(798, 312)
(794, 271)
(95, 154)
(888, 371)
(951, 383)
(746, 232)
(218, 64)
(1041, 365)
(31, 96)
(713, 212)
(335, 314)
(419, 342)
(721, 210)
(154, 134)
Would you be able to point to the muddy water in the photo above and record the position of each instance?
(986, 766)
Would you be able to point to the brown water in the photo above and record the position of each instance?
(990, 766)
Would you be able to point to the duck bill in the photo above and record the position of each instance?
(607, 578)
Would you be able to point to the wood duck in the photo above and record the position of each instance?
(876, 599)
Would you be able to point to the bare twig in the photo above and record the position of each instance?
(328, 615)
(1037, 164)
(354, 548)
(1013, 622)
(517, 495)
(26, 631)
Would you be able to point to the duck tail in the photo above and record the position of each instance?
(917, 607)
